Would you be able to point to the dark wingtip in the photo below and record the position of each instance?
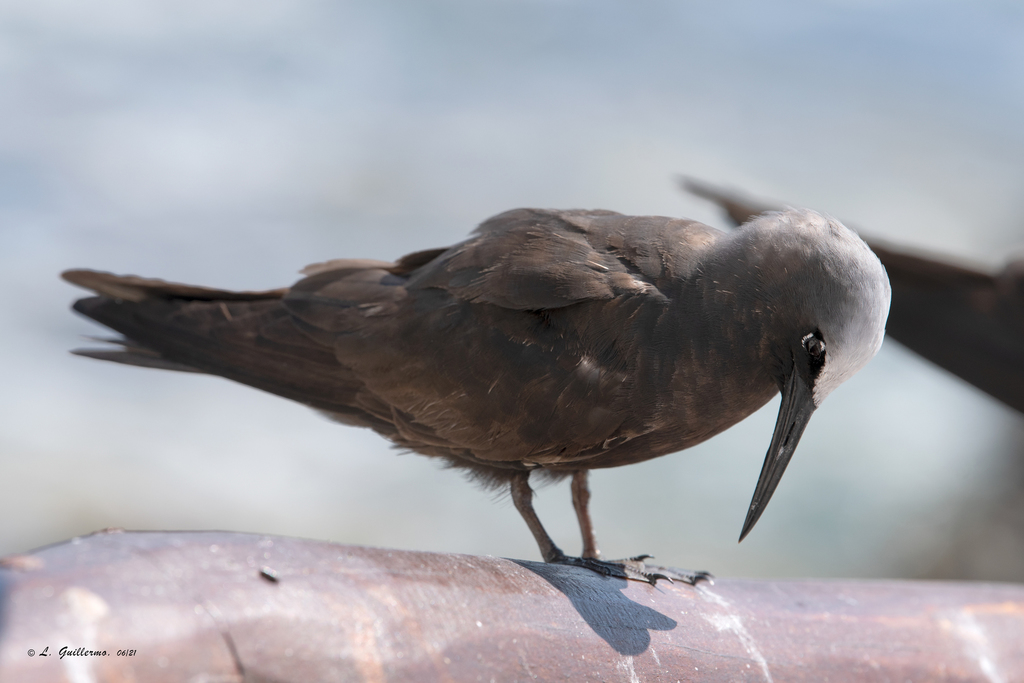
(127, 287)
(138, 289)
(83, 277)
(697, 187)
(141, 358)
(76, 276)
(738, 206)
(89, 305)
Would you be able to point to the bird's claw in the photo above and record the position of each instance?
(635, 569)
(687, 575)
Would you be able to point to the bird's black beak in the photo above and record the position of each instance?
(794, 414)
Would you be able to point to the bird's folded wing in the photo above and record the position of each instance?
(530, 259)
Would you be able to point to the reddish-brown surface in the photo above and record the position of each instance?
(195, 607)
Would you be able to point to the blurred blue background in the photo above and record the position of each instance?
(232, 143)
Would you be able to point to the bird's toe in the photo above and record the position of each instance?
(635, 569)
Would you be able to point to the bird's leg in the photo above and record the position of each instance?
(522, 497)
(581, 501)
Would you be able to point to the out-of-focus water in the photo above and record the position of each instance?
(232, 143)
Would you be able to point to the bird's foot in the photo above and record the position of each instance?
(634, 568)
(683, 575)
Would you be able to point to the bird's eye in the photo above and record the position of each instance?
(815, 346)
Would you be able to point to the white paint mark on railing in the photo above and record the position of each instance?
(732, 623)
(976, 645)
(625, 665)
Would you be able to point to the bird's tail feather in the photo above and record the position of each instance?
(130, 304)
(248, 337)
(132, 353)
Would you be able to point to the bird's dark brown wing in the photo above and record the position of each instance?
(521, 346)
(967, 321)
(535, 260)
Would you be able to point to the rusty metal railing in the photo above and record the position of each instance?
(213, 606)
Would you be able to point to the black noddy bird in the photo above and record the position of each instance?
(553, 342)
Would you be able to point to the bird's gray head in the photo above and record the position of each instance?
(820, 298)
(827, 292)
